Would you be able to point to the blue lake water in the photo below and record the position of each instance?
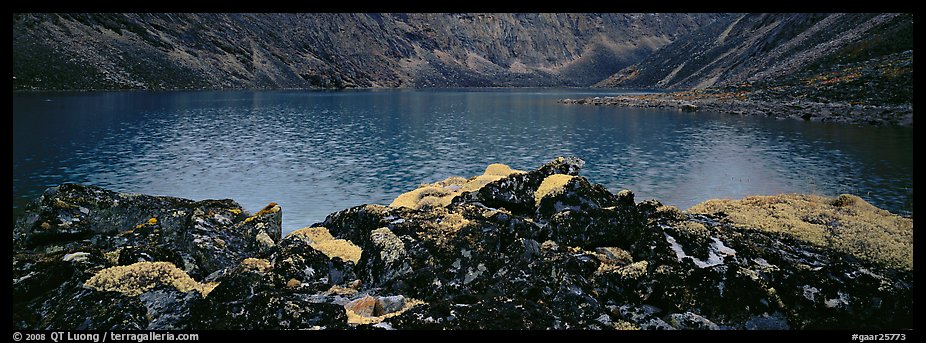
(316, 152)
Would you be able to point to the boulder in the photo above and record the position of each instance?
(542, 249)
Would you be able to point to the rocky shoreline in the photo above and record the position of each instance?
(509, 249)
(743, 103)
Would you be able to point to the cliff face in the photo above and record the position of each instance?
(188, 51)
(538, 249)
(822, 57)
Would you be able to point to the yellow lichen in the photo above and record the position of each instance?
(374, 208)
(358, 319)
(263, 240)
(391, 248)
(255, 264)
(632, 271)
(235, 211)
(625, 325)
(452, 181)
(320, 239)
(548, 245)
(293, 284)
(432, 201)
(606, 268)
(671, 212)
(500, 170)
(150, 222)
(611, 258)
(62, 204)
(751, 274)
(339, 248)
(453, 222)
(112, 256)
(551, 185)
(208, 287)
(341, 290)
(663, 270)
(480, 181)
(847, 224)
(692, 231)
(413, 198)
(624, 193)
(137, 278)
(774, 297)
(270, 208)
(441, 226)
(314, 234)
(441, 193)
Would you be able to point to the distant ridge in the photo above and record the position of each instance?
(227, 51)
(859, 57)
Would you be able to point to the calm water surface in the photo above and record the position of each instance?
(318, 152)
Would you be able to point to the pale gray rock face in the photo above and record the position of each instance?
(334, 50)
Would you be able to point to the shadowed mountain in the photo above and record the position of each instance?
(216, 51)
(821, 57)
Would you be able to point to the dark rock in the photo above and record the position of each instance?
(168, 308)
(693, 321)
(253, 297)
(526, 249)
(516, 192)
(131, 254)
(384, 259)
(577, 194)
(221, 237)
(579, 258)
(73, 212)
(390, 304)
(296, 259)
(355, 224)
(624, 198)
(598, 227)
(80, 309)
(767, 322)
(95, 229)
(491, 314)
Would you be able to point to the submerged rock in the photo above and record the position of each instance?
(538, 249)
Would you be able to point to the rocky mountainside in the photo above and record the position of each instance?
(215, 51)
(852, 57)
(541, 249)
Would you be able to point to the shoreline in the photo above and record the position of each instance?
(742, 104)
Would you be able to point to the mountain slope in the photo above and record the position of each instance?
(170, 51)
(848, 57)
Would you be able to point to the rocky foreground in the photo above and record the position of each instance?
(542, 249)
(744, 103)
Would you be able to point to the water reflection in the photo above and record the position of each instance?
(318, 152)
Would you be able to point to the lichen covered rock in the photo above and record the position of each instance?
(846, 223)
(129, 252)
(135, 279)
(539, 249)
